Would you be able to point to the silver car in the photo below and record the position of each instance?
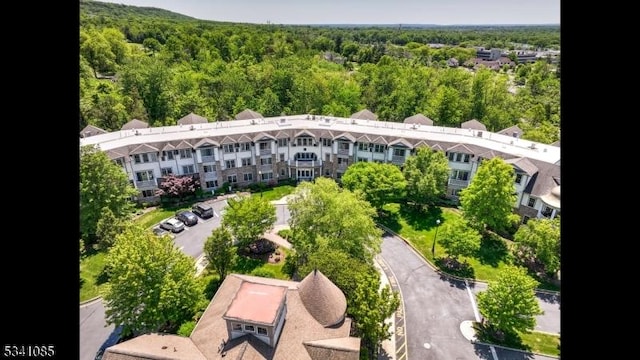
(174, 225)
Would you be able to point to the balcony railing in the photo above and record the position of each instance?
(343, 151)
(208, 159)
(305, 163)
(397, 159)
(460, 183)
(146, 184)
(265, 151)
(212, 175)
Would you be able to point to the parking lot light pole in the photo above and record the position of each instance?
(433, 247)
(260, 181)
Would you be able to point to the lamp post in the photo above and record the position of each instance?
(433, 247)
(260, 181)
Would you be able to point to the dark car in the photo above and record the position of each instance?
(203, 210)
(187, 217)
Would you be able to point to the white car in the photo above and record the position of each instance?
(174, 225)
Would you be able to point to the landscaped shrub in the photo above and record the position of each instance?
(186, 328)
(266, 273)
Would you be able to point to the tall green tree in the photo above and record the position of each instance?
(248, 218)
(102, 184)
(343, 218)
(459, 239)
(380, 183)
(220, 252)
(427, 174)
(152, 287)
(489, 199)
(108, 227)
(539, 241)
(509, 304)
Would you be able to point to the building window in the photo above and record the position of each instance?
(185, 153)
(206, 152)
(547, 211)
(361, 159)
(265, 161)
(119, 161)
(283, 142)
(246, 161)
(166, 171)
(363, 146)
(247, 176)
(210, 184)
(187, 169)
(232, 179)
(466, 158)
(518, 178)
(148, 193)
(144, 175)
(532, 202)
(262, 331)
(343, 161)
(343, 145)
(281, 157)
(378, 148)
(144, 158)
(249, 328)
(459, 175)
(525, 219)
(267, 176)
(326, 142)
(230, 164)
(167, 155)
(236, 327)
(282, 173)
(209, 168)
(265, 146)
(327, 157)
(398, 152)
(246, 146)
(304, 141)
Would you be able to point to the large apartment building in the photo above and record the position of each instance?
(303, 147)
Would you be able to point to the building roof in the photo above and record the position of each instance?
(514, 131)
(91, 130)
(247, 114)
(135, 124)
(418, 119)
(523, 165)
(192, 119)
(364, 114)
(552, 198)
(347, 348)
(154, 346)
(323, 299)
(473, 124)
(243, 307)
(543, 181)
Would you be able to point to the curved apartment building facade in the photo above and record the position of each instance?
(303, 147)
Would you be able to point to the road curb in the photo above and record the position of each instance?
(90, 301)
(518, 350)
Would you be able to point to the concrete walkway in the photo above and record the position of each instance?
(389, 346)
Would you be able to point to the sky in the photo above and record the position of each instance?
(432, 12)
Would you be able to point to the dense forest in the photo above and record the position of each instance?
(158, 66)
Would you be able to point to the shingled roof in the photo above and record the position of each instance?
(322, 299)
(91, 130)
(365, 114)
(135, 124)
(418, 119)
(248, 114)
(473, 124)
(192, 119)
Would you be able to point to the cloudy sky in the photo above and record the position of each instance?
(439, 12)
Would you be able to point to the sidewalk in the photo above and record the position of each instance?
(389, 346)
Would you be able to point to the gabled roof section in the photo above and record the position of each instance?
(380, 140)
(282, 135)
(543, 181)
(304, 132)
(418, 119)
(326, 134)
(421, 143)
(167, 146)
(244, 138)
(135, 124)
(184, 145)
(206, 142)
(192, 119)
(247, 114)
(345, 136)
(473, 124)
(113, 154)
(514, 131)
(91, 130)
(346, 348)
(263, 136)
(401, 142)
(460, 148)
(228, 140)
(363, 138)
(364, 114)
(437, 147)
(523, 165)
(144, 148)
(556, 143)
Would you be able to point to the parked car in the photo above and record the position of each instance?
(187, 217)
(203, 210)
(173, 225)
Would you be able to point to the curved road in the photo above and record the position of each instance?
(435, 306)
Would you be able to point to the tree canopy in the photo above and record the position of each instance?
(427, 174)
(220, 252)
(539, 241)
(248, 217)
(380, 183)
(152, 284)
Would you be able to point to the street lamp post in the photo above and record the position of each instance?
(433, 247)
(260, 181)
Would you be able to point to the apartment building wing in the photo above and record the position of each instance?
(259, 319)
(540, 195)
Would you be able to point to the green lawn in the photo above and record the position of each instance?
(153, 217)
(542, 343)
(91, 282)
(250, 266)
(275, 193)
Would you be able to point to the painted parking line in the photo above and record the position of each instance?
(399, 320)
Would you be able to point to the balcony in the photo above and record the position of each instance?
(212, 175)
(343, 151)
(146, 184)
(398, 160)
(458, 183)
(208, 159)
(265, 151)
(305, 163)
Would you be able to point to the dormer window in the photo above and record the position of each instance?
(518, 178)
